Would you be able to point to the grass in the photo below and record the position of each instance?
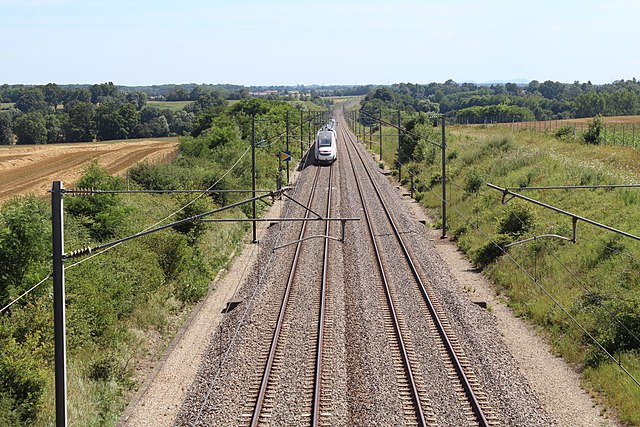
(597, 275)
(169, 105)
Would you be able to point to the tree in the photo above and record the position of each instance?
(6, 136)
(104, 90)
(32, 99)
(149, 113)
(588, 104)
(31, 128)
(512, 88)
(76, 95)
(54, 125)
(129, 117)
(102, 214)
(138, 99)
(80, 125)
(158, 127)
(52, 94)
(182, 122)
(114, 121)
(594, 134)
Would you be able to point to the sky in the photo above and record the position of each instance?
(291, 42)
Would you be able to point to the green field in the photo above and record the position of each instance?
(169, 105)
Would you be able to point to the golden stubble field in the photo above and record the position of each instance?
(31, 169)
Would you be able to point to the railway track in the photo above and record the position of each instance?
(346, 334)
(416, 406)
(268, 392)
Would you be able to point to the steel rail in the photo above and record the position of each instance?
(420, 413)
(473, 400)
(315, 407)
(255, 418)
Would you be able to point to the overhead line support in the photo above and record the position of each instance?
(508, 195)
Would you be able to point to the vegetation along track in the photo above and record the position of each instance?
(472, 401)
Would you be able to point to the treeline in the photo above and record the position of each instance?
(549, 100)
(142, 287)
(53, 114)
(50, 114)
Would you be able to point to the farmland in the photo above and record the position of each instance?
(31, 169)
(168, 105)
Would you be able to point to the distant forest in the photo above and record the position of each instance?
(472, 103)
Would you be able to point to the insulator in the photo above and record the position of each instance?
(79, 252)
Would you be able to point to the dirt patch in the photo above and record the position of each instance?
(31, 169)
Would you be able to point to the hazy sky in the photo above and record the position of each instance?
(251, 42)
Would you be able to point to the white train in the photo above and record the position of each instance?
(326, 151)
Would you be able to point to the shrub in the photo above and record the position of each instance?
(517, 221)
(490, 251)
(500, 144)
(614, 335)
(102, 214)
(156, 177)
(192, 207)
(193, 280)
(473, 182)
(565, 133)
(25, 243)
(22, 383)
(594, 134)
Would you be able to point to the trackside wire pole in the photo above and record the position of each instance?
(308, 128)
(287, 148)
(380, 124)
(253, 173)
(444, 181)
(58, 304)
(398, 156)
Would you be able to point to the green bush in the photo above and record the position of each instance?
(596, 129)
(565, 133)
(614, 334)
(490, 251)
(101, 214)
(193, 281)
(517, 221)
(22, 383)
(473, 183)
(192, 207)
(25, 243)
(157, 177)
(504, 143)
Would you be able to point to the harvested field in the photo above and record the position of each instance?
(31, 169)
